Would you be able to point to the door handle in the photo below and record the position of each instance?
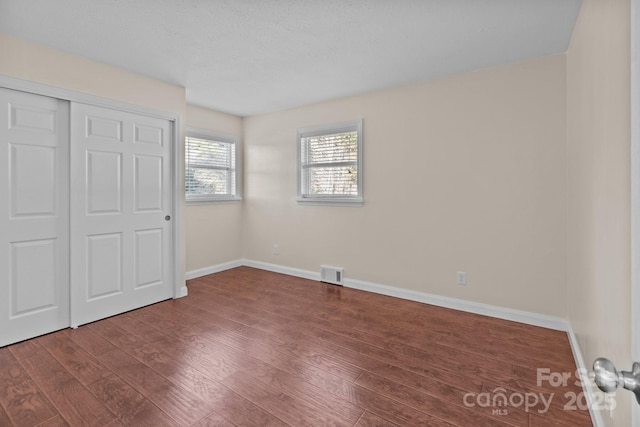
(608, 379)
(167, 218)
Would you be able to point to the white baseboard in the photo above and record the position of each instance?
(305, 274)
(193, 274)
(423, 297)
(587, 386)
(462, 305)
(526, 317)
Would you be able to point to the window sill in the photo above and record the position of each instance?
(319, 201)
(212, 201)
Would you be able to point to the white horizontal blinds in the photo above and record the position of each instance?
(210, 168)
(330, 164)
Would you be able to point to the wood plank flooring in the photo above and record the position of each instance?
(253, 348)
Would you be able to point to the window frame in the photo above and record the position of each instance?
(330, 129)
(216, 137)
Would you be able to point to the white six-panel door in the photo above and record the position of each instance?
(121, 199)
(34, 215)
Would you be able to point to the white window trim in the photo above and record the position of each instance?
(354, 125)
(222, 137)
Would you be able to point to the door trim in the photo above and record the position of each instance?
(179, 284)
(635, 192)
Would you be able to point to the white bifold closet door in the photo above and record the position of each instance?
(34, 215)
(121, 199)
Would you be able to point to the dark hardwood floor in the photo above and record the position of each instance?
(254, 348)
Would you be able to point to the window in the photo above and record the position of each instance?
(330, 164)
(210, 167)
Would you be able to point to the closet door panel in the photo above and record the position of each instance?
(121, 232)
(34, 215)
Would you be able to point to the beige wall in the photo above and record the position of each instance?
(465, 173)
(213, 231)
(598, 265)
(30, 61)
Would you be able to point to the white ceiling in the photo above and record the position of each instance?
(252, 56)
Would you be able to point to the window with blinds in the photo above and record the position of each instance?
(330, 163)
(210, 167)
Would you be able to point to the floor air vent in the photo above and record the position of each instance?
(331, 275)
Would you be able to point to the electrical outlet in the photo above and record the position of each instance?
(461, 278)
(276, 250)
